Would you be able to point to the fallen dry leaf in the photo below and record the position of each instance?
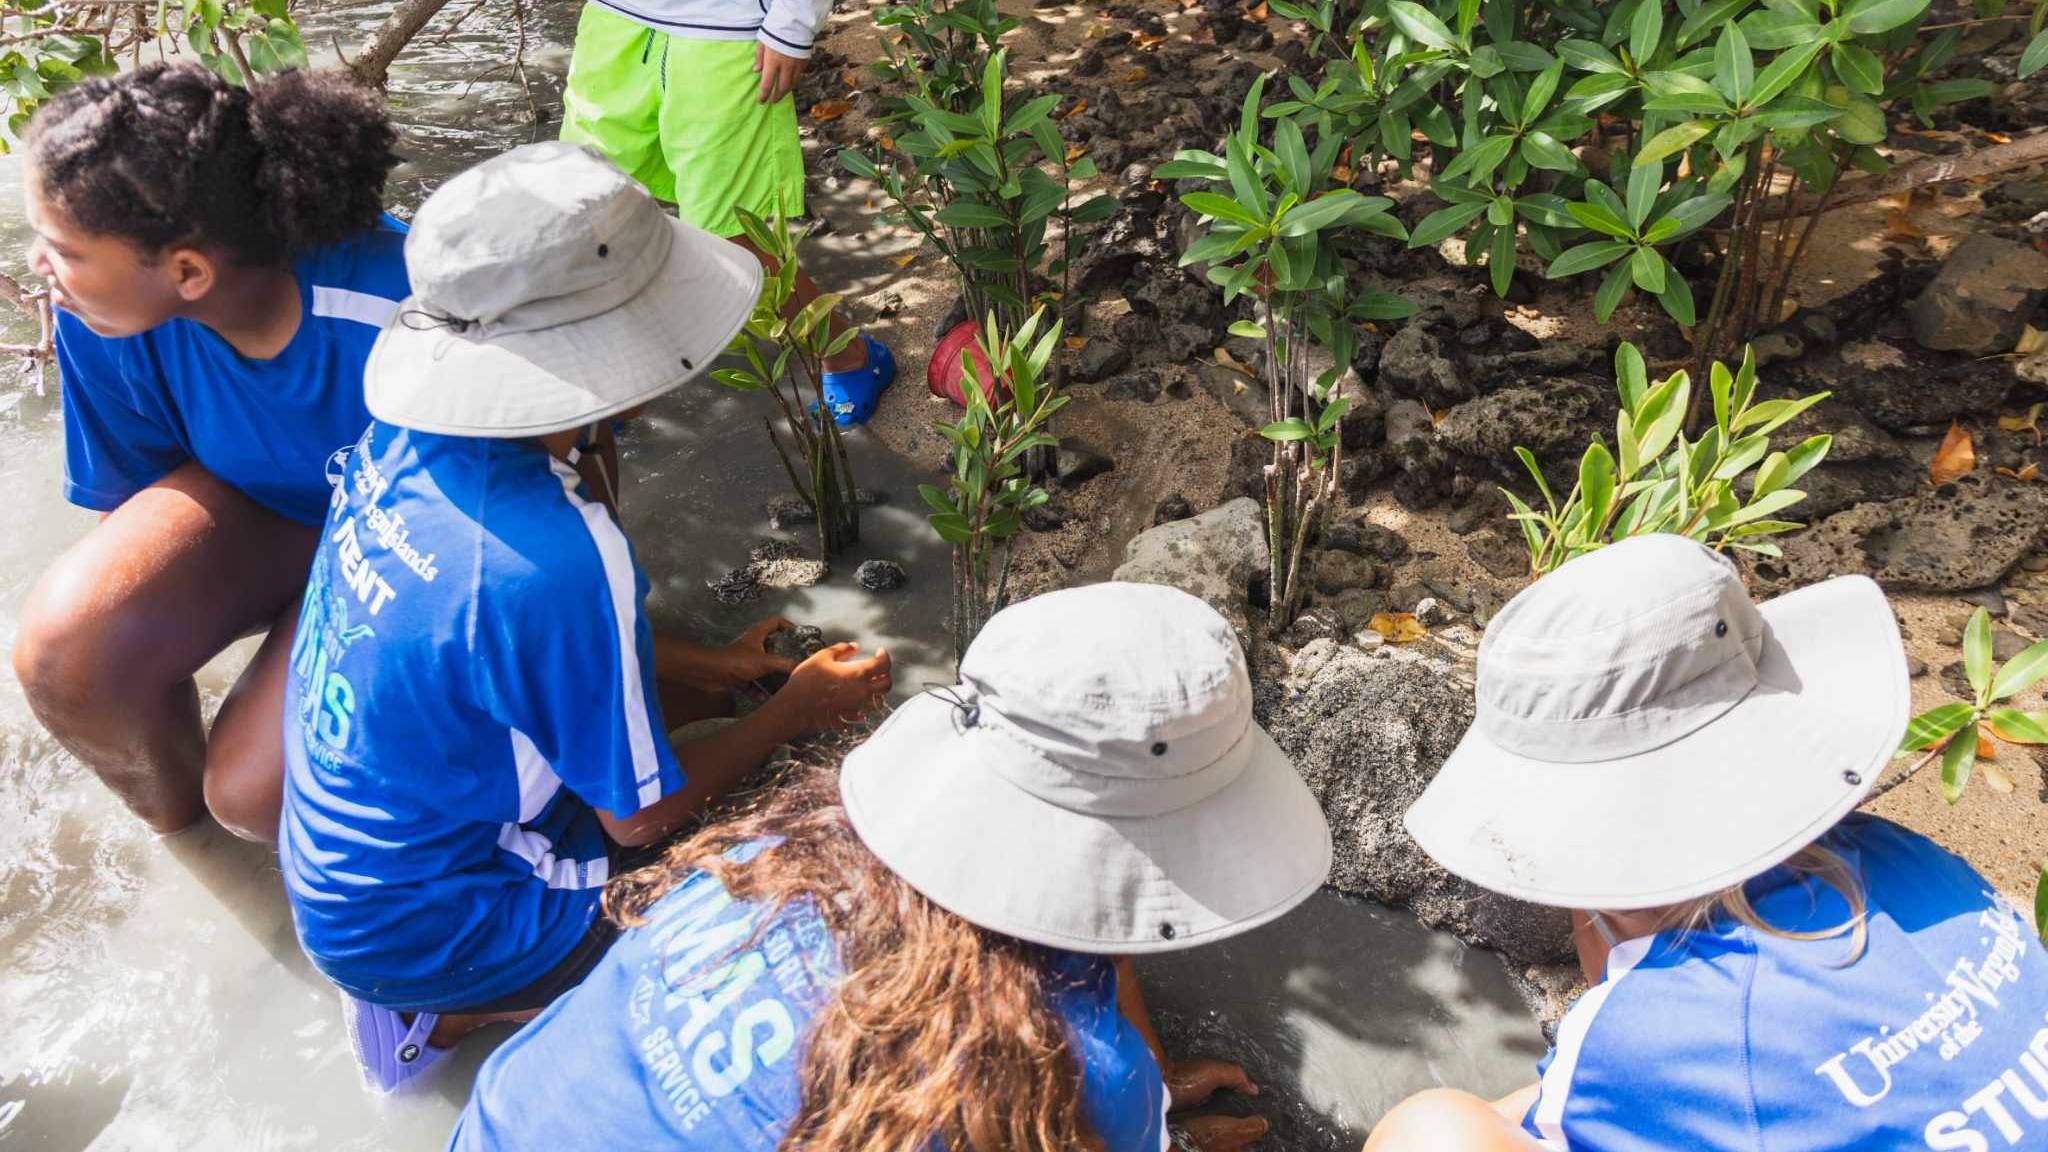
(1341, 174)
(1956, 457)
(1896, 224)
(2025, 475)
(1079, 107)
(1995, 778)
(1075, 153)
(1436, 415)
(1142, 42)
(905, 260)
(828, 110)
(1077, 342)
(2031, 340)
(2031, 422)
(1224, 358)
(1397, 627)
(1094, 32)
(1135, 76)
(1998, 137)
(1258, 13)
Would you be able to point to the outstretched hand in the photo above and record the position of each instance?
(779, 73)
(1190, 1083)
(835, 687)
(748, 658)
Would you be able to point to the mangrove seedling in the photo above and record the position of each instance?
(1959, 733)
(799, 345)
(1963, 734)
(1273, 218)
(1655, 479)
(982, 183)
(1010, 398)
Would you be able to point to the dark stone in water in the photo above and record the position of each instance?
(771, 564)
(797, 642)
(880, 575)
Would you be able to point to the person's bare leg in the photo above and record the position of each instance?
(113, 631)
(449, 1030)
(1446, 1120)
(245, 749)
(850, 358)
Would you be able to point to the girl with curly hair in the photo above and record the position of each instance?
(927, 946)
(221, 263)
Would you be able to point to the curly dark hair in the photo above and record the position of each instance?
(172, 153)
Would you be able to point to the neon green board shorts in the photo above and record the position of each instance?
(682, 117)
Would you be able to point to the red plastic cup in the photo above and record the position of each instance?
(943, 375)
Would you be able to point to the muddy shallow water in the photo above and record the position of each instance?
(152, 995)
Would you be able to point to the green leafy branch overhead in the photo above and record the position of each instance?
(50, 47)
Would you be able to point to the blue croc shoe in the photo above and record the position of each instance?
(852, 395)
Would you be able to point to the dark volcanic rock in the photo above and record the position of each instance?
(1100, 359)
(1981, 297)
(1368, 733)
(880, 575)
(1413, 364)
(796, 642)
(1551, 418)
(1964, 535)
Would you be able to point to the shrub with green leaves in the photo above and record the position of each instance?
(52, 46)
(1274, 225)
(982, 179)
(783, 355)
(1009, 403)
(1953, 730)
(1708, 103)
(1725, 489)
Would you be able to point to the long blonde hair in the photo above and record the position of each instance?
(939, 1030)
(1815, 862)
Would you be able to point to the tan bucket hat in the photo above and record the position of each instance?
(1095, 782)
(1646, 734)
(550, 291)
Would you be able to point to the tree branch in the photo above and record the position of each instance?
(373, 60)
(2021, 153)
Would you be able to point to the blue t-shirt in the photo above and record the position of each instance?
(1729, 1038)
(472, 673)
(689, 1034)
(139, 406)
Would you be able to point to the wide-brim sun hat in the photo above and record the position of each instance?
(1646, 734)
(1095, 782)
(551, 291)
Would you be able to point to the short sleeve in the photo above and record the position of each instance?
(568, 653)
(112, 447)
(1652, 1058)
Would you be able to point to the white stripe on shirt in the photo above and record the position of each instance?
(1165, 1106)
(539, 851)
(618, 573)
(1557, 1079)
(361, 307)
(537, 780)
